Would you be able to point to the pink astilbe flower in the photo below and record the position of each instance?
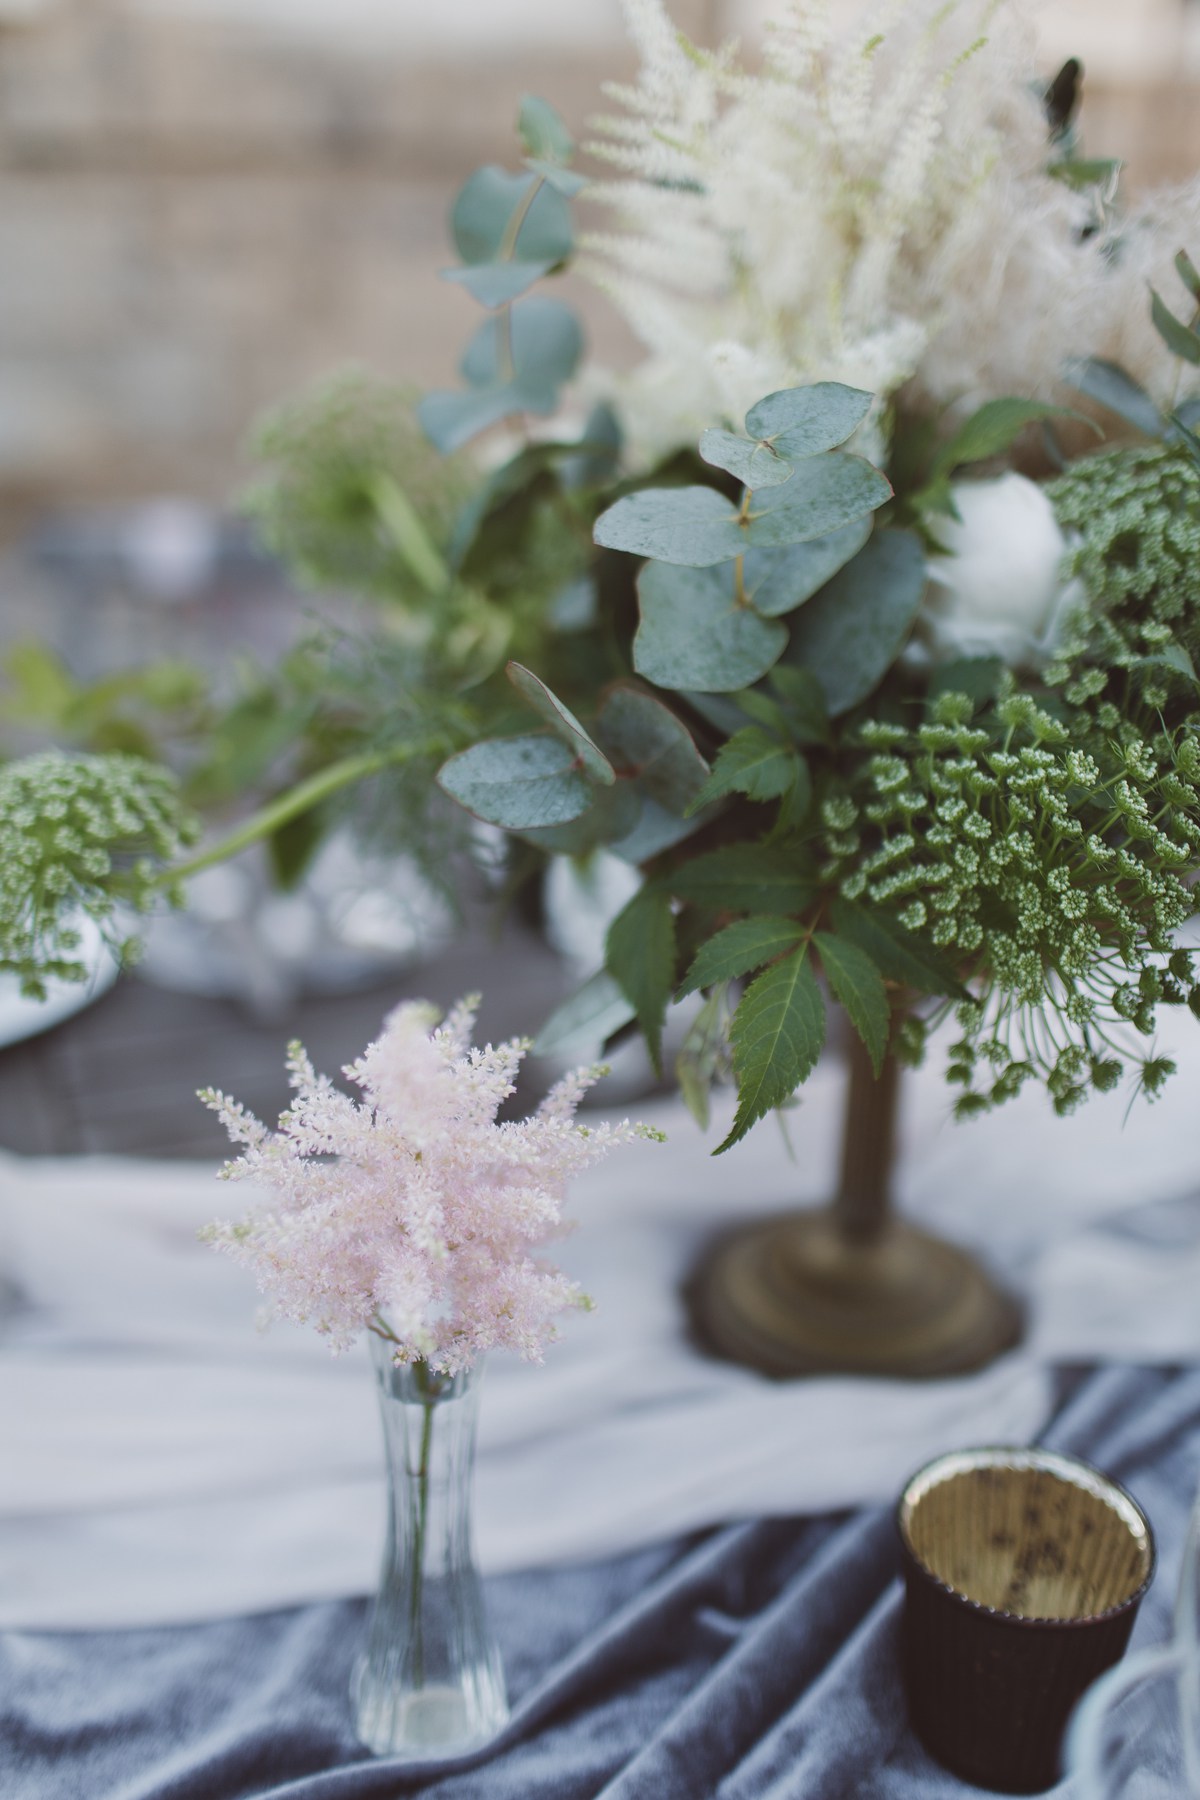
(411, 1211)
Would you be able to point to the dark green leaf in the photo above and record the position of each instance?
(1119, 392)
(750, 878)
(777, 1035)
(777, 581)
(755, 465)
(1085, 171)
(803, 421)
(804, 707)
(857, 983)
(754, 763)
(745, 945)
(484, 215)
(851, 633)
(978, 677)
(824, 493)
(651, 746)
(582, 1024)
(542, 131)
(900, 955)
(562, 721)
(990, 430)
(495, 284)
(1179, 338)
(640, 952)
(518, 782)
(694, 634)
(1188, 273)
(690, 526)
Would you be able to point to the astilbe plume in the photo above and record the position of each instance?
(874, 206)
(412, 1212)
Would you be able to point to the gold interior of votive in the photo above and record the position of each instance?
(1027, 1532)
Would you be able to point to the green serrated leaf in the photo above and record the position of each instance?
(750, 878)
(755, 465)
(825, 493)
(851, 633)
(745, 945)
(1179, 338)
(639, 952)
(778, 581)
(651, 747)
(857, 983)
(518, 783)
(487, 223)
(897, 953)
(777, 1035)
(693, 633)
(1119, 392)
(691, 527)
(543, 132)
(754, 763)
(583, 1023)
(990, 430)
(806, 420)
(562, 720)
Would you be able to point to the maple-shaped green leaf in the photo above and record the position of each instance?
(752, 762)
(899, 954)
(639, 952)
(777, 1035)
(746, 944)
(857, 983)
(751, 878)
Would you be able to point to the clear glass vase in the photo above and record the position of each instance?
(429, 1680)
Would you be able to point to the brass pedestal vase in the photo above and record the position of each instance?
(850, 1288)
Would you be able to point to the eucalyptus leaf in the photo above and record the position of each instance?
(592, 459)
(582, 1025)
(1119, 392)
(534, 350)
(694, 633)
(754, 763)
(518, 782)
(640, 952)
(855, 981)
(805, 420)
(1179, 338)
(485, 213)
(543, 132)
(851, 633)
(750, 878)
(655, 830)
(562, 720)
(451, 419)
(567, 182)
(495, 284)
(651, 746)
(614, 814)
(693, 527)
(747, 944)
(777, 1035)
(824, 493)
(754, 465)
(777, 581)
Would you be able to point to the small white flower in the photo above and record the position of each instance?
(999, 589)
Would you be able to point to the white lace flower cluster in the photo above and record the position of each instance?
(872, 206)
(412, 1212)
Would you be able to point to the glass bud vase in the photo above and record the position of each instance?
(429, 1680)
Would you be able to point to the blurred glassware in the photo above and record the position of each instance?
(1136, 1734)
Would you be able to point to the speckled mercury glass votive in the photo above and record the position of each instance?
(1023, 1572)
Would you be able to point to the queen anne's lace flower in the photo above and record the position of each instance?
(412, 1212)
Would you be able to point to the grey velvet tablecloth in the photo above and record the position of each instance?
(754, 1662)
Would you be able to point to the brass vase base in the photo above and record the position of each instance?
(796, 1296)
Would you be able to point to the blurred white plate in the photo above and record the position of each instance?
(21, 1017)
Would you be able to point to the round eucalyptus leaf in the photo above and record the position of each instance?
(568, 182)
(486, 207)
(851, 633)
(694, 633)
(647, 741)
(518, 782)
(776, 581)
(495, 284)
(450, 420)
(804, 420)
(754, 465)
(562, 720)
(542, 130)
(693, 527)
(533, 351)
(613, 815)
(657, 829)
(825, 493)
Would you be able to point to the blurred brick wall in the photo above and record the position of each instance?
(194, 219)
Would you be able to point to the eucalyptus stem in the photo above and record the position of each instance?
(299, 799)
